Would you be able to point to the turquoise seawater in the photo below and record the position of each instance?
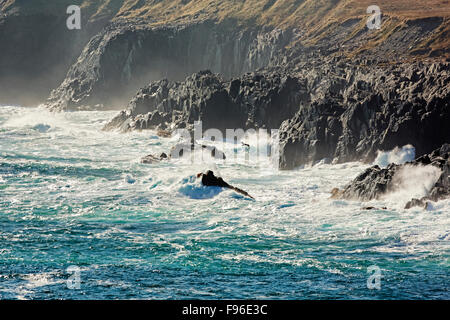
(73, 195)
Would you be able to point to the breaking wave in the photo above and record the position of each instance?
(412, 181)
(72, 194)
(397, 155)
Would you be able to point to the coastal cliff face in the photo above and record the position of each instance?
(175, 38)
(333, 111)
(312, 69)
(255, 100)
(123, 57)
(361, 111)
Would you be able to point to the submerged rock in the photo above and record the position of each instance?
(164, 133)
(151, 159)
(181, 150)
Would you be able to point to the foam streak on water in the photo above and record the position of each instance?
(71, 194)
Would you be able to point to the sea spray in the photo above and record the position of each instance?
(193, 188)
(412, 181)
(397, 155)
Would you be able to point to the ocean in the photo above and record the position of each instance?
(78, 207)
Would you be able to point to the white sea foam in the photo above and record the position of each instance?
(290, 206)
(36, 118)
(193, 188)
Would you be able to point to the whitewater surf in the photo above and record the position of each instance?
(74, 195)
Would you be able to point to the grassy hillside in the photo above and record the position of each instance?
(280, 13)
(316, 19)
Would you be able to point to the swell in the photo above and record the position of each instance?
(44, 169)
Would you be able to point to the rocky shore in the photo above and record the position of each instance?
(336, 90)
(376, 182)
(128, 54)
(334, 111)
(255, 100)
(358, 111)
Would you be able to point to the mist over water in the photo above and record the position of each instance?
(73, 195)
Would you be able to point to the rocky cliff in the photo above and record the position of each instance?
(255, 100)
(331, 110)
(124, 56)
(174, 38)
(361, 110)
(311, 68)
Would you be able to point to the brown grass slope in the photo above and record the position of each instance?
(316, 19)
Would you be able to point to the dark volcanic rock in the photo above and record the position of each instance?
(181, 150)
(311, 135)
(370, 110)
(151, 159)
(252, 101)
(376, 182)
(333, 110)
(371, 184)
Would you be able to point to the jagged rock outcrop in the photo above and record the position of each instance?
(331, 110)
(360, 111)
(252, 101)
(376, 182)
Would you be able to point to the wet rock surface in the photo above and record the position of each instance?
(376, 182)
(152, 159)
(181, 150)
(357, 112)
